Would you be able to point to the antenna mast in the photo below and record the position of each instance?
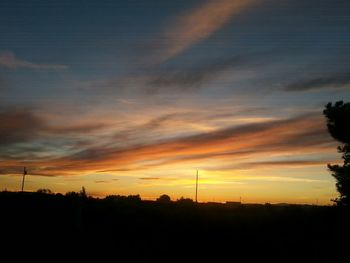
(24, 175)
(196, 186)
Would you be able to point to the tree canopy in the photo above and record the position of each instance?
(338, 123)
(164, 199)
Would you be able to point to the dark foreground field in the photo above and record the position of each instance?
(120, 229)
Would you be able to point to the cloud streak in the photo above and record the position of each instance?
(288, 164)
(198, 24)
(149, 178)
(188, 77)
(18, 125)
(193, 78)
(9, 60)
(284, 179)
(338, 81)
(234, 144)
(24, 125)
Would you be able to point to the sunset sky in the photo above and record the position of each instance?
(132, 97)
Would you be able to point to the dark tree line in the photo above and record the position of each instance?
(338, 123)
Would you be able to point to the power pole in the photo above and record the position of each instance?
(196, 186)
(24, 175)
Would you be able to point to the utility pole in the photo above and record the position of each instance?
(197, 186)
(24, 175)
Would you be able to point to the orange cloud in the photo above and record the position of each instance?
(9, 60)
(247, 143)
(200, 23)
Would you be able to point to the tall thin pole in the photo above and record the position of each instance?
(24, 175)
(196, 186)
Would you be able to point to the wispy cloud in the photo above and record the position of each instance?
(288, 164)
(192, 78)
(20, 124)
(149, 178)
(337, 81)
(9, 60)
(198, 24)
(187, 78)
(284, 179)
(106, 181)
(299, 134)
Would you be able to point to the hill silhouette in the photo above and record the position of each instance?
(127, 227)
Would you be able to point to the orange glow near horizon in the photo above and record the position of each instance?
(226, 157)
(148, 92)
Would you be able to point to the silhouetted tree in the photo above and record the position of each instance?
(164, 199)
(134, 198)
(338, 123)
(185, 201)
(72, 195)
(44, 191)
(83, 192)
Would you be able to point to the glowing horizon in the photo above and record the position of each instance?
(133, 98)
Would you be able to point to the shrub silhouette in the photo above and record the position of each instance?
(338, 123)
(185, 201)
(44, 191)
(83, 193)
(164, 199)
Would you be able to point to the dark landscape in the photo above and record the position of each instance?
(126, 226)
(145, 103)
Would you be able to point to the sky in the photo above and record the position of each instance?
(132, 97)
